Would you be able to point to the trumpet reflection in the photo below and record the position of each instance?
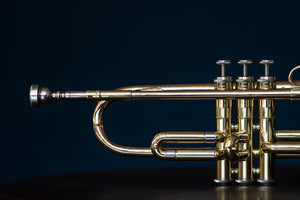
(244, 193)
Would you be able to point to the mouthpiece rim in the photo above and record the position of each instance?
(34, 96)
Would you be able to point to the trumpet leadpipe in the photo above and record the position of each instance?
(196, 86)
(39, 96)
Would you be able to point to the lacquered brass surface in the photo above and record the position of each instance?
(288, 135)
(234, 149)
(244, 109)
(282, 147)
(266, 116)
(223, 111)
(174, 153)
(232, 142)
(290, 77)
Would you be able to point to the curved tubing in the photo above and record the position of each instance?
(127, 150)
(106, 142)
(198, 137)
(142, 151)
(292, 82)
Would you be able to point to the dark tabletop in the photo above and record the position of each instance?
(189, 183)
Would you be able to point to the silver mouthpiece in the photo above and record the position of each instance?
(39, 95)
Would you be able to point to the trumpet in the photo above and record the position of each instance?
(233, 142)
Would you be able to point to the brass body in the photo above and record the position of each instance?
(233, 142)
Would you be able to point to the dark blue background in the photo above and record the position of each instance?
(104, 45)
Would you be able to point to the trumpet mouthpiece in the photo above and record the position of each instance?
(39, 95)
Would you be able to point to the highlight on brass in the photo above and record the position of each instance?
(233, 141)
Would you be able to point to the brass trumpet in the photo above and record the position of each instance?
(233, 142)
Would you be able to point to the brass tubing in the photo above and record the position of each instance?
(285, 84)
(282, 148)
(244, 109)
(107, 143)
(174, 153)
(197, 154)
(223, 109)
(204, 94)
(203, 154)
(186, 137)
(288, 135)
(188, 95)
(170, 87)
(195, 86)
(103, 138)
